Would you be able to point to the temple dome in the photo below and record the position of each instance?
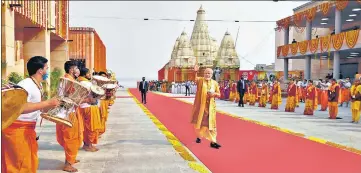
(227, 54)
(183, 55)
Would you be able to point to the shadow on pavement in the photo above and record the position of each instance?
(50, 164)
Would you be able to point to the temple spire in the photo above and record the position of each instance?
(200, 39)
(227, 54)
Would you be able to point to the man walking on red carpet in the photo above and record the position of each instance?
(204, 107)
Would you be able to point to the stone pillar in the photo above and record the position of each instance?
(7, 41)
(37, 45)
(336, 55)
(308, 57)
(58, 54)
(285, 64)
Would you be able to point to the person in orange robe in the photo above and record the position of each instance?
(221, 90)
(253, 94)
(264, 95)
(356, 101)
(291, 97)
(233, 93)
(270, 87)
(104, 106)
(311, 99)
(297, 96)
(324, 95)
(71, 138)
(90, 113)
(299, 92)
(303, 91)
(19, 151)
(345, 92)
(276, 95)
(333, 96)
(204, 108)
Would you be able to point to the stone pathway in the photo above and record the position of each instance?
(338, 131)
(132, 143)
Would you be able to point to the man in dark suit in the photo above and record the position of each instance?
(241, 88)
(143, 88)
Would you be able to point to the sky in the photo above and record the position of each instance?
(137, 48)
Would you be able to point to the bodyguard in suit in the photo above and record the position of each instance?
(143, 88)
(241, 88)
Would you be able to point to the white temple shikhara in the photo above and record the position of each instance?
(203, 48)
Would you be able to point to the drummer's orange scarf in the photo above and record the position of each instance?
(81, 78)
(71, 138)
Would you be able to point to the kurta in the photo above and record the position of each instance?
(276, 96)
(19, 151)
(92, 124)
(104, 104)
(204, 109)
(221, 89)
(291, 98)
(91, 117)
(264, 96)
(324, 100)
(226, 90)
(333, 96)
(253, 94)
(233, 93)
(311, 100)
(355, 104)
(297, 96)
(345, 95)
(71, 138)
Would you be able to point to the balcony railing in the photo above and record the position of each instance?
(41, 13)
(329, 43)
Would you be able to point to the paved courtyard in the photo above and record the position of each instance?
(132, 143)
(340, 131)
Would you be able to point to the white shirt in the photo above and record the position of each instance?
(34, 96)
(86, 84)
(347, 85)
(143, 84)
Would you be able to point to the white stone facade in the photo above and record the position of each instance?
(203, 48)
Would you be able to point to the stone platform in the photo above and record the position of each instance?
(132, 143)
(339, 131)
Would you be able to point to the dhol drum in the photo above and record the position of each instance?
(100, 80)
(71, 94)
(110, 90)
(97, 92)
(13, 101)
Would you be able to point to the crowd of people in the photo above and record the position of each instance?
(329, 94)
(88, 119)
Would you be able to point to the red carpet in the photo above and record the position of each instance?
(251, 148)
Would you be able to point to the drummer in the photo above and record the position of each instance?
(90, 113)
(19, 139)
(104, 106)
(70, 138)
